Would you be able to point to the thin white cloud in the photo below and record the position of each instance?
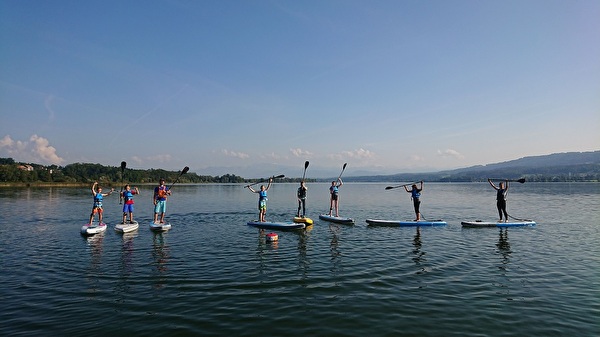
(271, 156)
(161, 158)
(6, 142)
(137, 160)
(36, 150)
(449, 153)
(48, 105)
(301, 153)
(416, 158)
(359, 154)
(235, 154)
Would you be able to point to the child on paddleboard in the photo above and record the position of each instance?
(302, 199)
(415, 194)
(262, 200)
(127, 196)
(334, 198)
(160, 201)
(501, 192)
(98, 197)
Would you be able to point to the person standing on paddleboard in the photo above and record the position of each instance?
(501, 193)
(98, 197)
(334, 198)
(302, 190)
(262, 200)
(416, 198)
(127, 196)
(160, 201)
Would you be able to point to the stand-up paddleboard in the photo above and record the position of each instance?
(160, 227)
(408, 223)
(336, 219)
(92, 229)
(479, 223)
(127, 227)
(276, 225)
(304, 220)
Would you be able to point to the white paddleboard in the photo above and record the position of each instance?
(407, 223)
(336, 219)
(94, 228)
(479, 223)
(160, 227)
(127, 227)
(276, 225)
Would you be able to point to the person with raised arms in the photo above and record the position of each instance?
(127, 196)
(262, 200)
(334, 198)
(98, 198)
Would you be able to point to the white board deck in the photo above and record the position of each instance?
(480, 223)
(336, 219)
(158, 227)
(92, 229)
(276, 225)
(127, 227)
(407, 223)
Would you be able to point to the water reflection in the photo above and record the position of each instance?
(160, 255)
(504, 247)
(127, 250)
(303, 260)
(505, 251)
(126, 267)
(95, 246)
(418, 254)
(334, 249)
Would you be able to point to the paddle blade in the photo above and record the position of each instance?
(185, 169)
(306, 164)
(123, 165)
(279, 176)
(522, 180)
(389, 187)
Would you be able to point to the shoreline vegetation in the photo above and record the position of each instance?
(566, 167)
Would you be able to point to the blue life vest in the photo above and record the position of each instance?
(127, 195)
(98, 200)
(334, 189)
(415, 193)
(262, 195)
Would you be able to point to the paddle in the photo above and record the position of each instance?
(184, 171)
(305, 167)
(123, 165)
(266, 179)
(391, 187)
(522, 180)
(343, 168)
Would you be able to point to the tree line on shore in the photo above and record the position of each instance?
(85, 173)
(13, 172)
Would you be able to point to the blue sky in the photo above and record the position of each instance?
(248, 87)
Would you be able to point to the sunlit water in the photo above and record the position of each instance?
(213, 275)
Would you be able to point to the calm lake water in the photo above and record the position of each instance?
(213, 275)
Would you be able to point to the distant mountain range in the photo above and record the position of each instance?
(569, 166)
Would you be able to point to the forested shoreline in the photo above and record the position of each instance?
(82, 174)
